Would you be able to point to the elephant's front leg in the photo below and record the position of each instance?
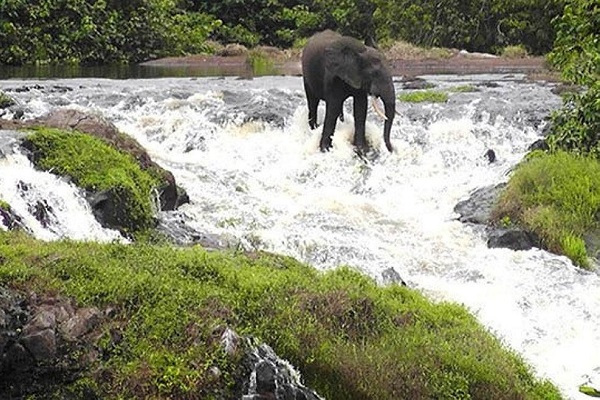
(332, 112)
(360, 117)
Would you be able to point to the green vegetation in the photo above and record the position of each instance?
(260, 63)
(576, 126)
(407, 51)
(96, 166)
(557, 196)
(517, 51)
(5, 100)
(101, 32)
(421, 96)
(350, 338)
(4, 205)
(590, 391)
(464, 89)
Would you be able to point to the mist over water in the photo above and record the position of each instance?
(245, 154)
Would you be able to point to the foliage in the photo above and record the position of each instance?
(407, 51)
(351, 338)
(421, 96)
(576, 127)
(4, 205)
(94, 165)
(5, 100)
(98, 32)
(517, 51)
(472, 25)
(556, 196)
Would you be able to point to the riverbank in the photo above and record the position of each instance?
(459, 63)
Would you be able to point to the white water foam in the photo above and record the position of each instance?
(66, 212)
(270, 187)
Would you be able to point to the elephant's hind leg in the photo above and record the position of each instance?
(313, 104)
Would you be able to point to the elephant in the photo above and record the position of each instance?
(335, 67)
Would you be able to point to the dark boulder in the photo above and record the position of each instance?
(514, 239)
(43, 343)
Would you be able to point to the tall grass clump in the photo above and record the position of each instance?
(557, 196)
(349, 337)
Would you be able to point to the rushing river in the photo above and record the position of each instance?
(245, 154)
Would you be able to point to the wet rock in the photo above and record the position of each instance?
(478, 207)
(490, 155)
(273, 378)
(566, 88)
(416, 84)
(173, 226)
(41, 321)
(539, 144)
(41, 210)
(9, 219)
(515, 239)
(391, 276)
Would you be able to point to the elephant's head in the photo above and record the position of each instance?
(364, 68)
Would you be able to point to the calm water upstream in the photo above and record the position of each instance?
(245, 154)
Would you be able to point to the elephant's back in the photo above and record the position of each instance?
(313, 59)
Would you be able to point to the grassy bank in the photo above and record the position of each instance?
(350, 338)
(557, 196)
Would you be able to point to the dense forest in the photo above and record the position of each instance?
(106, 31)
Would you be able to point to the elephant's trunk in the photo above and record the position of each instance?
(389, 102)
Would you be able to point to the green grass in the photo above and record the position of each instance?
(349, 337)
(421, 96)
(556, 196)
(463, 89)
(5, 100)
(95, 165)
(4, 205)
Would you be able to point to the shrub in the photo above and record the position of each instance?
(518, 51)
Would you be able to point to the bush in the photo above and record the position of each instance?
(517, 51)
(556, 196)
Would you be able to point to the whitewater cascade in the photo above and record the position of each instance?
(243, 151)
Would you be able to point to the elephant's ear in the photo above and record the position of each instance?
(342, 59)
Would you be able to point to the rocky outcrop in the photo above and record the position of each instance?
(477, 209)
(45, 342)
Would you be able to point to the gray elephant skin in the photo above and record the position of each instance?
(335, 67)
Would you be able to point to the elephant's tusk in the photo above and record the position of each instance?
(377, 108)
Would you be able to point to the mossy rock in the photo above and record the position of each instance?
(123, 191)
(170, 195)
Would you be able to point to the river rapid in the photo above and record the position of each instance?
(243, 151)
